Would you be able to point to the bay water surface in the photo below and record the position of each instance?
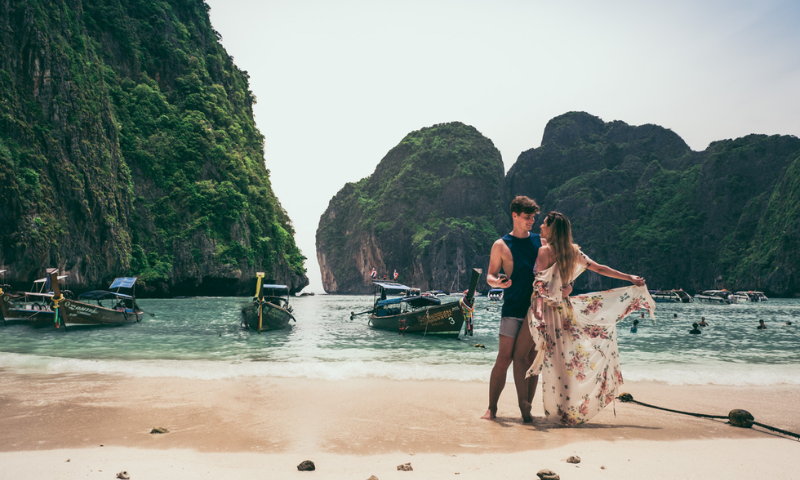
(202, 338)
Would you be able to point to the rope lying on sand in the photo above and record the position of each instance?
(737, 417)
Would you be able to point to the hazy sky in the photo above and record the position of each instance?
(339, 83)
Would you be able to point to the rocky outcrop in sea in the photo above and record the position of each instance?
(431, 211)
(639, 198)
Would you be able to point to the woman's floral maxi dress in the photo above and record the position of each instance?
(576, 343)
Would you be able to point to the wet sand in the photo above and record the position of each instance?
(357, 428)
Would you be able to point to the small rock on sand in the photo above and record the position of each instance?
(574, 459)
(546, 474)
(306, 466)
(159, 430)
(406, 467)
(602, 467)
(123, 475)
(373, 477)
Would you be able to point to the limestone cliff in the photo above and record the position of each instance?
(431, 211)
(642, 201)
(128, 147)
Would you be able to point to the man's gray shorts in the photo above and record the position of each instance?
(509, 326)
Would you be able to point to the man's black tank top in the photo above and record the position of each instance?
(517, 298)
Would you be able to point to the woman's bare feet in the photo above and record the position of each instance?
(525, 408)
(489, 415)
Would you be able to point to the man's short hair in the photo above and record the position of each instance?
(523, 204)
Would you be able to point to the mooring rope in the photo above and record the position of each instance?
(737, 417)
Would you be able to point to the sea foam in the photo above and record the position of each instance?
(684, 374)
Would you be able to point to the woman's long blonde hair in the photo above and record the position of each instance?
(560, 240)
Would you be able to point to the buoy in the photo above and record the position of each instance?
(740, 418)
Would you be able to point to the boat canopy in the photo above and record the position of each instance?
(42, 280)
(278, 288)
(391, 301)
(500, 290)
(422, 301)
(3, 271)
(392, 287)
(37, 294)
(416, 301)
(124, 282)
(102, 295)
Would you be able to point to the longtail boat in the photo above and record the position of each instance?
(670, 296)
(417, 314)
(270, 309)
(34, 307)
(82, 313)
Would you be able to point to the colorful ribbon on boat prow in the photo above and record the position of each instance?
(260, 314)
(469, 313)
(56, 316)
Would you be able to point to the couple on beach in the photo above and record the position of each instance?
(570, 341)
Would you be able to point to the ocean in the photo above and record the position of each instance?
(202, 338)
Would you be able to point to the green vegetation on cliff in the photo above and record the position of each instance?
(129, 146)
(642, 201)
(431, 210)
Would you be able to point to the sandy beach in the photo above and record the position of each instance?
(249, 428)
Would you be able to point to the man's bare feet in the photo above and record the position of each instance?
(489, 415)
(525, 408)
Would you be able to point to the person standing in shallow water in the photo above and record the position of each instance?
(515, 254)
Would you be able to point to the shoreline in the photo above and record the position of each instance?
(45, 411)
(246, 428)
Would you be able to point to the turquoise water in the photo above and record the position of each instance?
(202, 338)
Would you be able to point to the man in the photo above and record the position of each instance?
(695, 330)
(515, 254)
(761, 325)
(703, 322)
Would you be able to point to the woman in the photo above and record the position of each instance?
(575, 338)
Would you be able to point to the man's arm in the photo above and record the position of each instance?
(495, 263)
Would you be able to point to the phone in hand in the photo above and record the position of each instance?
(502, 277)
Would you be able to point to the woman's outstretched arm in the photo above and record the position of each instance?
(610, 272)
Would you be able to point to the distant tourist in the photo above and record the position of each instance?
(788, 323)
(695, 330)
(703, 322)
(515, 254)
(642, 315)
(761, 325)
(675, 315)
(634, 328)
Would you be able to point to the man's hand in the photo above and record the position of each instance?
(498, 281)
(636, 280)
(566, 290)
